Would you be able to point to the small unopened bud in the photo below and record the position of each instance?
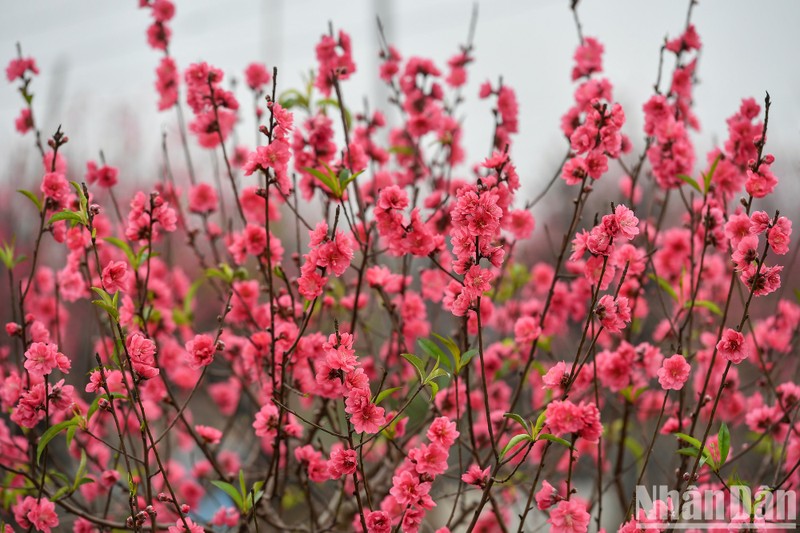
(104, 404)
(220, 346)
(64, 140)
(185, 509)
(94, 209)
(264, 130)
(769, 159)
(150, 509)
(51, 143)
(686, 476)
(162, 497)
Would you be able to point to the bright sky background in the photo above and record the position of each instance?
(98, 72)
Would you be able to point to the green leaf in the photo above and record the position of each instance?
(539, 424)
(466, 357)
(60, 493)
(632, 395)
(634, 447)
(518, 419)
(724, 442)
(81, 196)
(349, 179)
(553, 438)
(125, 247)
(231, 491)
(515, 440)
(79, 475)
(33, 198)
(436, 373)
(190, 294)
(71, 434)
(133, 487)
(453, 348)
(433, 350)
(687, 179)
(696, 444)
(72, 216)
(110, 309)
(242, 490)
(417, 363)
(434, 389)
(692, 452)
(689, 439)
(382, 395)
(707, 177)
(96, 403)
(292, 98)
(665, 286)
(328, 180)
(705, 304)
(51, 433)
(402, 150)
(103, 294)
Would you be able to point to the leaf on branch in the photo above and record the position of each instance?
(514, 442)
(52, 432)
(33, 198)
(691, 181)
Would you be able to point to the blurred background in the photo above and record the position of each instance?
(98, 72)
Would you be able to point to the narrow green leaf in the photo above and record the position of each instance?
(51, 433)
(539, 424)
(72, 216)
(231, 491)
(665, 286)
(724, 443)
(124, 246)
(705, 304)
(553, 438)
(466, 357)
(382, 395)
(708, 177)
(687, 179)
(433, 351)
(418, 365)
(689, 439)
(331, 182)
(190, 294)
(71, 434)
(111, 310)
(242, 489)
(692, 452)
(518, 419)
(79, 475)
(514, 442)
(103, 294)
(60, 493)
(436, 373)
(634, 447)
(33, 198)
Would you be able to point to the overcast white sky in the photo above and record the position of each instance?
(98, 73)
